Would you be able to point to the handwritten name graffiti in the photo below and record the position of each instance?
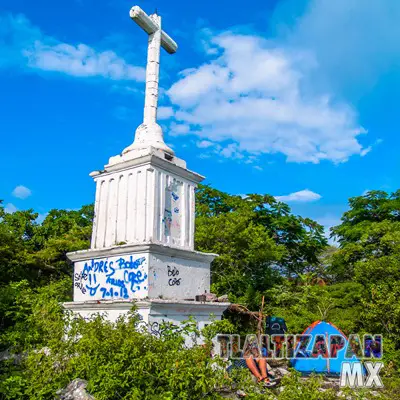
(174, 281)
(119, 278)
(78, 281)
(173, 272)
(156, 328)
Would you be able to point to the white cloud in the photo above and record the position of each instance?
(25, 46)
(365, 151)
(81, 61)
(179, 129)
(21, 192)
(231, 151)
(165, 112)
(301, 196)
(255, 94)
(204, 144)
(9, 208)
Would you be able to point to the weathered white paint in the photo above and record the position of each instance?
(144, 204)
(177, 278)
(153, 312)
(111, 309)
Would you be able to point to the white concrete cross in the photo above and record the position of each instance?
(149, 133)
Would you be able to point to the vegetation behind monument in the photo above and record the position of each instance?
(264, 251)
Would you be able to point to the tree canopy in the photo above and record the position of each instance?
(258, 239)
(265, 251)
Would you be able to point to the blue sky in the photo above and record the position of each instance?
(298, 99)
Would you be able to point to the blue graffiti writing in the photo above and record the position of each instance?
(134, 278)
(112, 292)
(97, 266)
(115, 282)
(130, 264)
(167, 220)
(92, 290)
(167, 215)
(112, 279)
(92, 278)
(175, 196)
(176, 210)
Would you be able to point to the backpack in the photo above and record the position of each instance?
(275, 326)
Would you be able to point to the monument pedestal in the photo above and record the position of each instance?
(142, 247)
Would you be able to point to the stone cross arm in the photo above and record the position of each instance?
(150, 27)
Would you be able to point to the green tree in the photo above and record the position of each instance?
(369, 253)
(259, 241)
(34, 254)
(304, 301)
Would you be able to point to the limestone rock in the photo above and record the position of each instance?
(5, 355)
(281, 371)
(211, 297)
(330, 383)
(76, 390)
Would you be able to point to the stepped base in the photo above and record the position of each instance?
(153, 312)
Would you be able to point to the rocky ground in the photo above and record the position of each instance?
(76, 390)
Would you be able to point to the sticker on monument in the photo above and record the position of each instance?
(121, 277)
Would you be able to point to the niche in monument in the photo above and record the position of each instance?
(173, 213)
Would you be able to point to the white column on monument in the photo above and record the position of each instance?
(102, 213)
(96, 215)
(122, 208)
(152, 74)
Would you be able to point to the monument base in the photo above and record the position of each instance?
(153, 312)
